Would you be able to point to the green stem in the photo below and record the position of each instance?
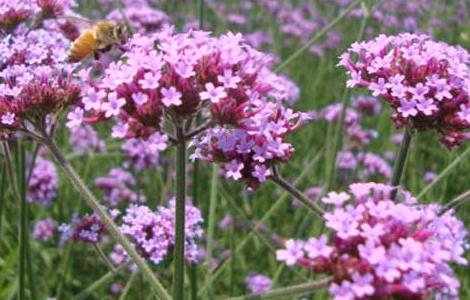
(103, 257)
(317, 36)
(22, 228)
(241, 245)
(400, 161)
(201, 14)
(212, 219)
(29, 261)
(128, 286)
(100, 282)
(178, 288)
(461, 199)
(2, 194)
(291, 189)
(444, 173)
(287, 292)
(110, 225)
(195, 191)
(339, 129)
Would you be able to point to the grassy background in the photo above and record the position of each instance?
(68, 270)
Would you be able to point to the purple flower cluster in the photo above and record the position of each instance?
(117, 187)
(369, 164)
(402, 15)
(43, 183)
(224, 77)
(35, 79)
(144, 19)
(301, 22)
(44, 230)
(15, 12)
(357, 135)
(248, 154)
(85, 140)
(258, 283)
(382, 248)
(153, 232)
(87, 229)
(427, 83)
(143, 153)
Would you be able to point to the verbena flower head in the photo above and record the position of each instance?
(427, 83)
(117, 187)
(85, 140)
(43, 183)
(144, 19)
(153, 232)
(88, 229)
(144, 154)
(178, 74)
(172, 77)
(36, 81)
(258, 283)
(15, 12)
(45, 229)
(54, 8)
(382, 248)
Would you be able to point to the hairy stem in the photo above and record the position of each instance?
(178, 285)
(400, 161)
(287, 292)
(461, 199)
(284, 184)
(106, 219)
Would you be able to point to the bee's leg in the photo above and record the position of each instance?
(96, 55)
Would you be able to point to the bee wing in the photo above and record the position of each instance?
(81, 23)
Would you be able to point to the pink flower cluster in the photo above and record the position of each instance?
(427, 83)
(358, 136)
(153, 232)
(143, 153)
(411, 16)
(85, 140)
(117, 187)
(381, 248)
(367, 164)
(300, 22)
(258, 283)
(15, 12)
(249, 154)
(87, 229)
(43, 182)
(45, 229)
(222, 76)
(143, 18)
(35, 79)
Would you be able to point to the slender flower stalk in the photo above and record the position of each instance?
(102, 281)
(105, 218)
(399, 166)
(20, 155)
(461, 199)
(277, 179)
(178, 285)
(444, 173)
(288, 292)
(317, 36)
(212, 219)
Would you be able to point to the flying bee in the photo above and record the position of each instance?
(99, 37)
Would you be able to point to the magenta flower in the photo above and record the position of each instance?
(425, 82)
(87, 229)
(212, 93)
(117, 187)
(171, 97)
(381, 248)
(43, 183)
(153, 232)
(45, 229)
(258, 283)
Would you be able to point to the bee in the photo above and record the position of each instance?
(99, 37)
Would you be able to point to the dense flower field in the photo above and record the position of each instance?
(236, 149)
